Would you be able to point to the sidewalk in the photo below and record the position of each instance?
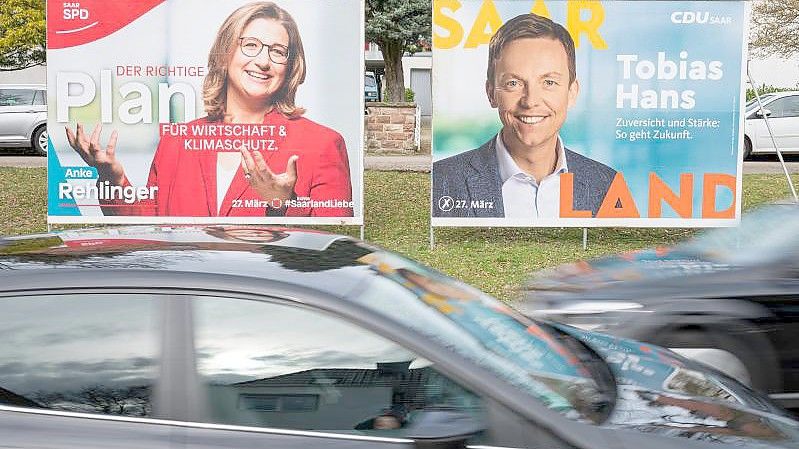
(419, 163)
(416, 163)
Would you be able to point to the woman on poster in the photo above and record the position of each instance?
(255, 66)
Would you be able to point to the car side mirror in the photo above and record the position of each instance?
(763, 113)
(442, 429)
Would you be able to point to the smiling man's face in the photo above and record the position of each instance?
(532, 92)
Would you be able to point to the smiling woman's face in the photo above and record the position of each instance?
(257, 77)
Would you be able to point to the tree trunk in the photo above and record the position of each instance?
(395, 81)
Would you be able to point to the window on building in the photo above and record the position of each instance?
(279, 403)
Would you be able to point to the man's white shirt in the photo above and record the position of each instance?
(522, 195)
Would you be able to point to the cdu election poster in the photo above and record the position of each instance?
(190, 111)
(588, 113)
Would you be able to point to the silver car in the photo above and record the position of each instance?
(240, 337)
(23, 116)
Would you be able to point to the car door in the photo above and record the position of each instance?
(784, 122)
(80, 371)
(17, 114)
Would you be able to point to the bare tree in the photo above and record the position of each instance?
(127, 401)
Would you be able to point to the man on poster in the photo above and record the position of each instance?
(531, 81)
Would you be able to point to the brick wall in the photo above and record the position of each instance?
(390, 128)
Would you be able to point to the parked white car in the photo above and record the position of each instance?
(782, 109)
(23, 116)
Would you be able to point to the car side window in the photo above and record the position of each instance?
(40, 98)
(78, 353)
(280, 366)
(785, 107)
(16, 97)
(791, 108)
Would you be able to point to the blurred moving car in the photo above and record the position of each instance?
(23, 116)
(782, 109)
(263, 337)
(728, 298)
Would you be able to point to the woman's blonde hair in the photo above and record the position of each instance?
(227, 41)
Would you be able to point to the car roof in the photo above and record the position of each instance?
(323, 261)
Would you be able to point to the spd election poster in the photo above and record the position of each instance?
(189, 111)
(587, 113)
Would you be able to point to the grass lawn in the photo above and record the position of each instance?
(495, 260)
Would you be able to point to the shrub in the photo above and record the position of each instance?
(763, 90)
(409, 95)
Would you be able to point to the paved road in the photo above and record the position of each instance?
(422, 164)
(14, 158)
(17, 158)
(771, 164)
(398, 163)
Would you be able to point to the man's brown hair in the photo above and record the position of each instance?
(530, 26)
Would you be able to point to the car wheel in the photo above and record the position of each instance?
(745, 356)
(747, 148)
(39, 141)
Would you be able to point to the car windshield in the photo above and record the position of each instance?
(752, 104)
(532, 356)
(369, 81)
(767, 234)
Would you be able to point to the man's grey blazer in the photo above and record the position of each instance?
(474, 176)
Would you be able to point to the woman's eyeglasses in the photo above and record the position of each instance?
(252, 47)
